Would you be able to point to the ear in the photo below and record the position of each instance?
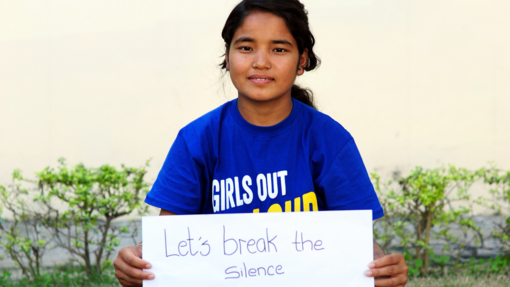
(226, 61)
(226, 58)
(303, 59)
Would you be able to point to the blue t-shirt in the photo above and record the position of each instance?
(220, 163)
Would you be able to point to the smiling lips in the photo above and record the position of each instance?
(260, 79)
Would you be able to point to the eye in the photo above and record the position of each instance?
(279, 50)
(245, 48)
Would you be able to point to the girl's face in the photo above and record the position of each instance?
(263, 58)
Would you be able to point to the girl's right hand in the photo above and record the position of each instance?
(129, 265)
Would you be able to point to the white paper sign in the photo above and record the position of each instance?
(329, 248)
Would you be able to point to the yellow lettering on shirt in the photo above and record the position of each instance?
(275, 208)
(310, 199)
(288, 206)
(309, 204)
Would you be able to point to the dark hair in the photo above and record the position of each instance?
(296, 18)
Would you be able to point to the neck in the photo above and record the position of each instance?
(267, 113)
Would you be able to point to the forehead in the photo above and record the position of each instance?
(264, 26)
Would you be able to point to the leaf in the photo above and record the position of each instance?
(444, 258)
(6, 274)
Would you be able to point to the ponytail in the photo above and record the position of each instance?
(303, 95)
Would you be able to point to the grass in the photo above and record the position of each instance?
(491, 280)
(74, 277)
(62, 277)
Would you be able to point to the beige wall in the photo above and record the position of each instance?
(416, 82)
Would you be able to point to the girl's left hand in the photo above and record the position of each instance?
(389, 270)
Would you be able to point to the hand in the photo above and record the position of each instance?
(128, 265)
(389, 270)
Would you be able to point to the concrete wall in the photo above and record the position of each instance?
(422, 82)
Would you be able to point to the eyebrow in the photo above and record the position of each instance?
(285, 42)
(248, 39)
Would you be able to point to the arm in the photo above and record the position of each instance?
(129, 264)
(388, 270)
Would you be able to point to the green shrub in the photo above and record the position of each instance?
(22, 238)
(419, 207)
(423, 205)
(88, 200)
(499, 181)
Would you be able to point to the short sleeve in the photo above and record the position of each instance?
(346, 184)
(178, 187)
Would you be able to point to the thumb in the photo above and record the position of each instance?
(138, 251)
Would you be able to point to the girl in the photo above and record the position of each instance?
(269, 150)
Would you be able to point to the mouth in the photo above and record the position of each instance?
(260, 79)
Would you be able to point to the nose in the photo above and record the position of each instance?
(261, 61)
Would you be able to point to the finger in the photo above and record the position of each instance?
(386, 271)
(125, 280)
(386, 260)
(125, 270)
(133, 258)
(393, 281)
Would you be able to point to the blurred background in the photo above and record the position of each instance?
(417, 83)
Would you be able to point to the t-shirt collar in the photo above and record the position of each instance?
(260, 130)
